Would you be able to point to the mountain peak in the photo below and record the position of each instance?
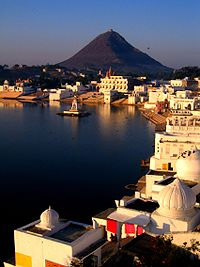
(111, 49)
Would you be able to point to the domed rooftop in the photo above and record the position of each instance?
(176, 200)
(49, 219)
(188, 166)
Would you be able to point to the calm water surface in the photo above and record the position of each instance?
(78, 166)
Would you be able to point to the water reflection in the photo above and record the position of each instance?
(114, 119)
(74, 126)
(131, 110)
(56, 104)
(49, 159)
(5, 103)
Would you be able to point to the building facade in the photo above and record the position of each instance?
(182, 133)
(51, 242)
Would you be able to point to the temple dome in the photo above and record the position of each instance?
(188, 166)
(49, 219)
(176, 200)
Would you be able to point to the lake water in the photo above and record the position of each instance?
(78, 166)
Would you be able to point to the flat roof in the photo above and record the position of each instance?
(165, 181)
(166, 173)
(169, 180)
(104, 214)
(37, 230)
(91, 248)
(71, 232)
(143, 205)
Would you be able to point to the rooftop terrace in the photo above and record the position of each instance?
(169, 180)
(70, 233)
(143, 205)
(161, 173)
(104, 214)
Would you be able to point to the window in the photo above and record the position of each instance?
(167, 149)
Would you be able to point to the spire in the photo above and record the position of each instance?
(110, 71)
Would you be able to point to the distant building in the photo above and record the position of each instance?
(190, 84)
(184, 100)
(157, 96)
(58, 94)
(182, 133)
(186, 83)
(113, 82)
(176, 83)
(198, 80)
(94, 86)
(133, 98)
(78, 88)
(142, 78)
(162, 106)
(140, 89)
(22, 86)
(109, 96)
(6, 86)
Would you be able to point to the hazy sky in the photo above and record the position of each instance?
(50, 31)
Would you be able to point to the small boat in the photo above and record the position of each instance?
(74, 111)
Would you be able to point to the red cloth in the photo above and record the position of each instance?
(53, 264)
(129, 228)
(111, 226)
(140, 230)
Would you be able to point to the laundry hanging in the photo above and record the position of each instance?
(111, 226)
(129, 228)
(140, 230)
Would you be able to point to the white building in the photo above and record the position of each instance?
(156, 95)
(176, 83)
(20, 86)
(58, 94)
(51, 242)
(78, 88)
(109, 96)
(140, 89)
(133, 98)
(6, 87)
(183, 100)
(198, 80)
(182, 133)
(171, 209)
(117, 83)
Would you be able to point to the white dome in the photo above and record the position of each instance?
(49, 219)
(188, 166)
(176, 200)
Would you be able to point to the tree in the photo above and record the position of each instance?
(76, 263)
(3, 67)
(190, 72)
